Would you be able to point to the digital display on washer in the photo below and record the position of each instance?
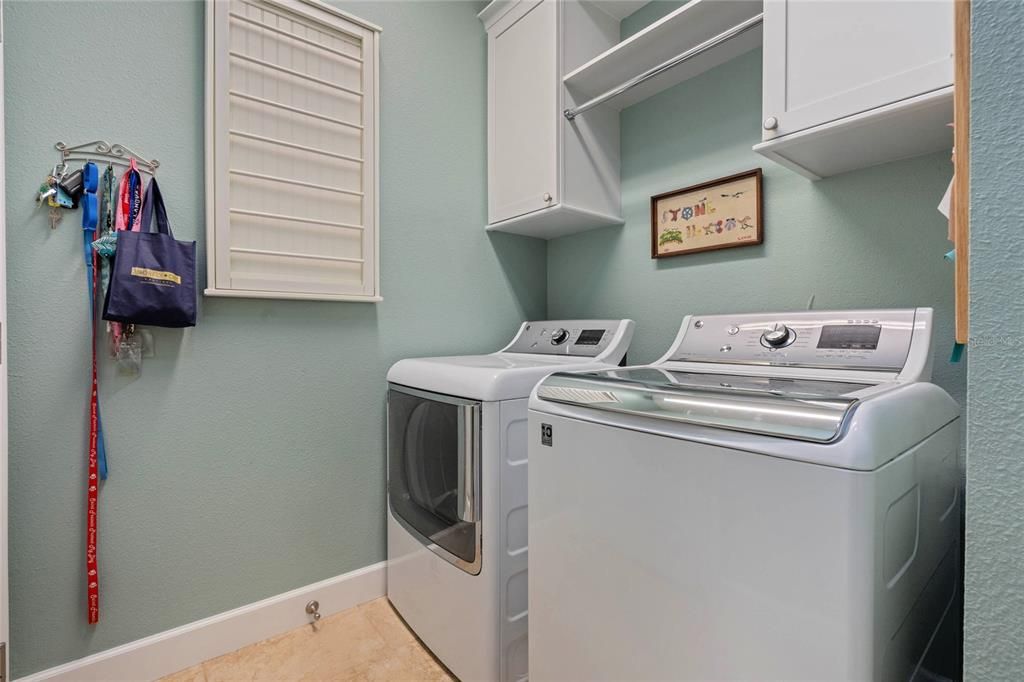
(850, 336)
(590, 337)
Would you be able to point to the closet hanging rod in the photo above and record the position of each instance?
(708, 44)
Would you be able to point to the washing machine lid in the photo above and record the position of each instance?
(802, 409)
(498, 376)
(537, 350)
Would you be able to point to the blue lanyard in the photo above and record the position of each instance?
(89, 221)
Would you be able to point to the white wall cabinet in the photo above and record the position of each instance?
(547, 176)
(852, 83)
(524, 133)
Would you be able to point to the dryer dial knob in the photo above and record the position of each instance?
(559, 336)
(778, 336)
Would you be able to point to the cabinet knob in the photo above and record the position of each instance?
(771, 123)
(547, 198)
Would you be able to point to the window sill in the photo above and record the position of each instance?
(291, 295)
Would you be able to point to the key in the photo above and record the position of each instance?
(47, 189)
(56, 215)
(44, 192)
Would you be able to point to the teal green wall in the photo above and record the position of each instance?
(248, 458)
(646, 15)
(870, 238)
(994, 580)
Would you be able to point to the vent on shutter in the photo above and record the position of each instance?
(292, 151)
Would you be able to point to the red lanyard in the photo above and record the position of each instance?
(92, 509)
(130, 199)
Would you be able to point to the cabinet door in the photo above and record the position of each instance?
(827, 60)
(523, 111)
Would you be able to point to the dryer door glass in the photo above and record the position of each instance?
(433, 471)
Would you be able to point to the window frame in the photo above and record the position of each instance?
(216, 153)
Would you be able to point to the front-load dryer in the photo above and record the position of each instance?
(776, 499)
(457, 490)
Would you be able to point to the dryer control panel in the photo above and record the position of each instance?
(859, 339)
(583, 338)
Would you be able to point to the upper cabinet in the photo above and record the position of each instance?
(523, 100)
(547, 176)
(847, 84)
(852, 83)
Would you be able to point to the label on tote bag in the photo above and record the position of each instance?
(159, 277)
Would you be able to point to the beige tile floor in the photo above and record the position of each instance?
(369, 642)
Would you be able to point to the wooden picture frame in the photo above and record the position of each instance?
(718, 214)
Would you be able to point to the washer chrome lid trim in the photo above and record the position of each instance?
(799, 415)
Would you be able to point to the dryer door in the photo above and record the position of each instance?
(434, 472)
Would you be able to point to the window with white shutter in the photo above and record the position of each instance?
(291, 151)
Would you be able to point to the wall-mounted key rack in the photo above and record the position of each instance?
(101, 150)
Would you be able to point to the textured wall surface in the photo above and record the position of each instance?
(994, 581)
(248, 458)
(870, 238)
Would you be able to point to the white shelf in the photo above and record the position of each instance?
(555, 221)
(916, 126)
(685, 28)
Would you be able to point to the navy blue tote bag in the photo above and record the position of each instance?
(153, 275)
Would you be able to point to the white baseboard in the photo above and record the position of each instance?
(167, 652)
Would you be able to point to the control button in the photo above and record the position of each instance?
(778, 336)
(698, 324)
(559, 336)
(732, 331)
(726, 348)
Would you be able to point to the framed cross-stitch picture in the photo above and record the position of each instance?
(718, 214)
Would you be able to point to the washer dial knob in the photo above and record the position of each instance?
(778, 336)
(559, 336)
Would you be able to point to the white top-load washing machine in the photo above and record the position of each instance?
(457, 486)
(775, 499)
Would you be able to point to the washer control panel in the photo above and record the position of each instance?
(584, 338)
(860, 339)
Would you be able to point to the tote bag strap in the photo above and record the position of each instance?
(155, 200)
